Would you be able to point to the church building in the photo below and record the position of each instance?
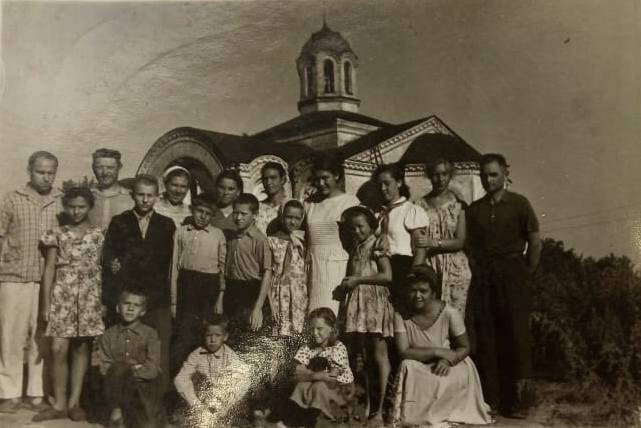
(329, 121)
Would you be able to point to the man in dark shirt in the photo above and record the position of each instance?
(504, 244)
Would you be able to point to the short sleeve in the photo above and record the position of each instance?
(264, 253)
(529, 221)
(50, 238)
(399, 324)
(456, 323)
(6, 214)
(415, 217)
(303, 355)
(381, 247)
(341, 358)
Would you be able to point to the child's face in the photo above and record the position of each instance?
(359, 226)
(42, 174)
(215, 337)
(243, 216)
(202, 216)
(145, 197)
(292, 219)
(77, 209)
(227, 191)
(131, 307)
(321, 331)
(420, 294)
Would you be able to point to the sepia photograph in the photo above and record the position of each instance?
(335, 213)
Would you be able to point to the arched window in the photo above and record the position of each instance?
(328, 71)
(347, 75)
(309, 81)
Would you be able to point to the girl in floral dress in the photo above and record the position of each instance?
(366, 314)
(71, 300)
(288, 294)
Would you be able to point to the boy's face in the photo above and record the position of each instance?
(202, 216)
(42, 175)
(243, 216)
(215, 337)
(131, 307)
(144, 197)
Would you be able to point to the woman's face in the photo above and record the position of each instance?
(389, 187)
(77, 209)
(272, 181)
(359, 226)
(227, 191)
(321, 331)
(325, 182)
(292, 218)
(420, 294)
(176, 189)
(440, 177)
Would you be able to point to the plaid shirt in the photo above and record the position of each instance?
(25, 216)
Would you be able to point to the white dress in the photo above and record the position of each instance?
(326, 258)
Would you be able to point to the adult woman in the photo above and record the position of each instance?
(171, 204)
(326, 257)
(401, 221)
(446, 235)
(437, 382)
(273, 176)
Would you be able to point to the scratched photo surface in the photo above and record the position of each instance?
(202, 87)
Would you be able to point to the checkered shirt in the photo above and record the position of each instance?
(24, 217)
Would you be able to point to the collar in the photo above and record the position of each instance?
(226, 212)
(115, 190)
(27, 190)
(367, 241)
(397, 203)
(218, 354)
(252, 231)
(191, 226)
(135, 327)
(507, 195)
(141, 217)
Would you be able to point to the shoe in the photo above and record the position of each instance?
(36, 404)
(117, 423)
(11, 405)
(77, 414)
(50, 414)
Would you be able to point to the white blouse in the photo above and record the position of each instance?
(404, 217)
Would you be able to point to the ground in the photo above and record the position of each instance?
(552, 411)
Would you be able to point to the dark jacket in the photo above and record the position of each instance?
(146, 262)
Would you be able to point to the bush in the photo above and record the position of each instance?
(587, 329)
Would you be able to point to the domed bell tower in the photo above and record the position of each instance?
(327, 68)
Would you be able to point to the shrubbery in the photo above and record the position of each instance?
(587, 330)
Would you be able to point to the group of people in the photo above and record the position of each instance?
(223, 298)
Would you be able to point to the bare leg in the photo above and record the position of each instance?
(79, 364)
(60, 371)
(379, 348)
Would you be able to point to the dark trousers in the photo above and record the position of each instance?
(139, 400)
(159, 317)
(501, 308)
(197, 294)
(238, 302)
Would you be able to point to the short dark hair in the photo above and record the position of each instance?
(78, 192)
(294, 203)
(493, 157)
(41, 154)
(275, 166)
(145, 179)
(397, 171)
(216, 320)
(136, 290)
(204, 200)
(107, 153)
(361, 210)
(331, 163)
(178, 172)
(422, 274)
(327, 315)
(231, 174)
(247, 199)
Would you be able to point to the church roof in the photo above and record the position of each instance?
(326, 40)
(314, 120)
(234, 149)
(428, 147)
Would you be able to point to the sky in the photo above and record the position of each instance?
(555, 85)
